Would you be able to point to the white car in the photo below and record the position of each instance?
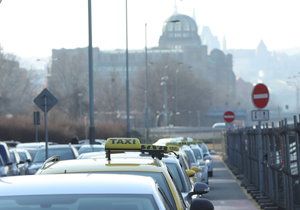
(200, 158)
(208, 159)
(81, 192)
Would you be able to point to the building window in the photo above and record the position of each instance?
(177, 26)
(169, 27)
(186, 27)
(177, 34)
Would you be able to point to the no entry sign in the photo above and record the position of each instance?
(229, 116)
(260, 96)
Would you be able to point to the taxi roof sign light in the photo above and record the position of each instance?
(154, 150)
(123, 144)
(173, 148)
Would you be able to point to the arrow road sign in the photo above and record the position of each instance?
(260, 115)
(260, 96)
(228, 116)
(45, 100)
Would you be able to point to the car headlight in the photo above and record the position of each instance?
(207, 161)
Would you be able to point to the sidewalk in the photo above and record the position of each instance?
(225, 192)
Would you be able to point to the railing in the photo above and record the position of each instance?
(267, 160)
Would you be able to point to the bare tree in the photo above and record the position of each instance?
(187, 92)
(68, 82)
(16, 86)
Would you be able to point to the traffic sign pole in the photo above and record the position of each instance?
(45, 101)
(36, 122)
(46, 128)
(260, 99)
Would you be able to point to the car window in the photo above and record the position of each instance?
(182, 182)
(175, 175)
(1, 161)
(63, 153)
(79, 202)
(204, 148)
(157, 176)
(197, 153)
(90, 149)
(191, 157)
(3, 153)
(12, 157)
(23, 156)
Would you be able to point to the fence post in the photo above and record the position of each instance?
(260, 157)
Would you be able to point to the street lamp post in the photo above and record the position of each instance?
(146, 89)
(165, 105)
(91, 79)
(294, 82)
(127, 74)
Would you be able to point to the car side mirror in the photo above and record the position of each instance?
(200, 188)
(201, 204)
(206, 157)
(28, 161)
(190, 172)
(9, 163)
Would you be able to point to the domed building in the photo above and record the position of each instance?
(180, 42)
(179, 31)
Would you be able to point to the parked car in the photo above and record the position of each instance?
(200, 158)
(193, 162)
(92, 192)
(86, 148)
(31, 147)
(62, 151)
(4, 153)
(25, 157)
(3, 168)
(17, 166)
(5, 156)
(208, 159)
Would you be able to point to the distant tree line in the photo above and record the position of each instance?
(178, 89)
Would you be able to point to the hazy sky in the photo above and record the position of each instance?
(34, 27)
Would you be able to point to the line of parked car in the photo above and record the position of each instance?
(179, 167)
(27, 158)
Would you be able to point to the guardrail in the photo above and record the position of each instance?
(267, 160)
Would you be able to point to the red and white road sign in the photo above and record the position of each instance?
(260, 96)
(228, 116)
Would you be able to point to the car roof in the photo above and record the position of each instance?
(91, 146)
(164, 141)
(32, 144)
(101, 164)
(82, 183)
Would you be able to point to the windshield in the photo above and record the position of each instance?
(12, 157)
(90, 149)
(79, 202)
(197, 153)
(191, 157)
(23, 156)
(63, 153)
(178, 177)
(204, 148)
(157, 176)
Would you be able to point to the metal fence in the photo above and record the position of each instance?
(267, 159)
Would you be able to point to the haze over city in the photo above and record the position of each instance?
(32, 28)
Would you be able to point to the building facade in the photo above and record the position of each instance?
(179, 41)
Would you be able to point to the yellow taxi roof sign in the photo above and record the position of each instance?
(122, 144)
(173, 148)
(151, 147)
